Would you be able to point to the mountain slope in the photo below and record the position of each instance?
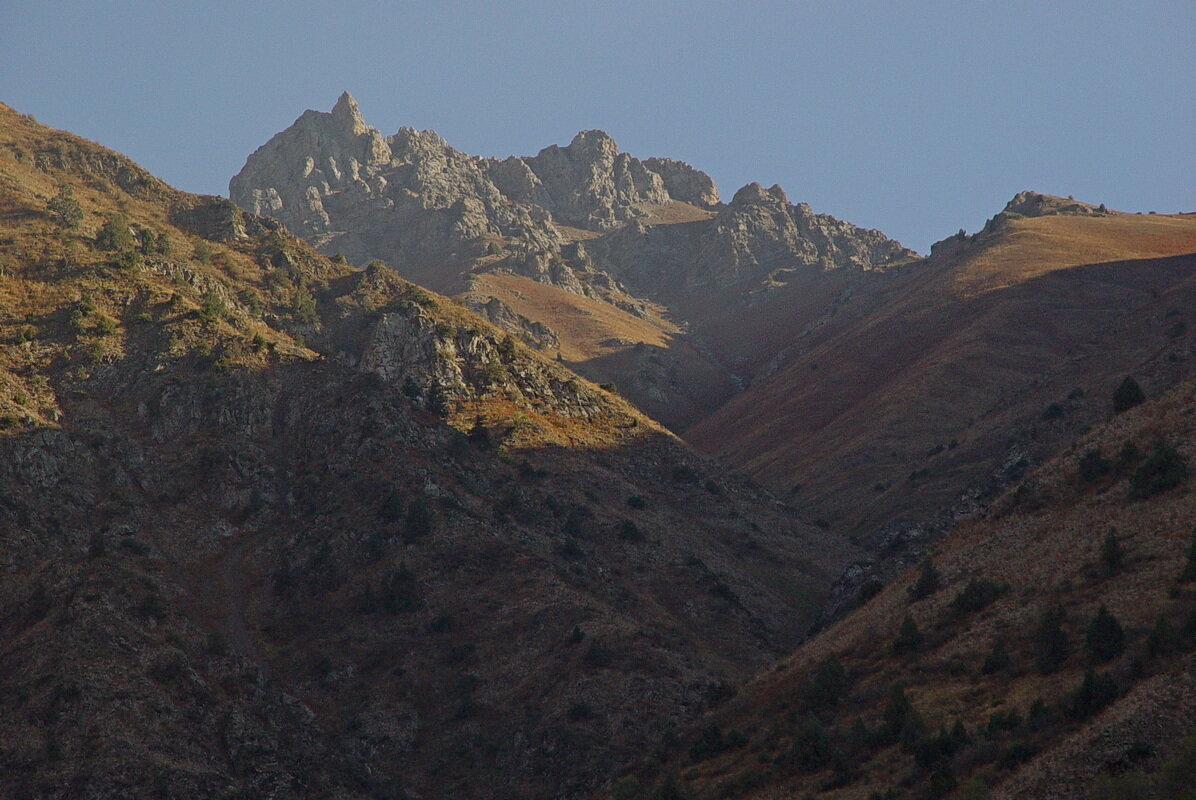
(954, 682)
(648, 239)
(934, 389)
(274, 526)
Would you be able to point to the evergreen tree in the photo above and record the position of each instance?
(998, 659)
(1127, 395)
(1112, 556)
(1094, 693)
(908, 637)
(1105, 639)
(1052, 640)
(928, 581)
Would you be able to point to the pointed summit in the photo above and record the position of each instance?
(348, 115)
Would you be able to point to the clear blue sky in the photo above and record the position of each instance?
(917, 118)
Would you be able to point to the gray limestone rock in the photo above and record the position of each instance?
(683, 182)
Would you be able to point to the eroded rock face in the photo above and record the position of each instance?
(757, 233)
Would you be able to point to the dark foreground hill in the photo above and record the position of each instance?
(1045, 649)
(273, 526)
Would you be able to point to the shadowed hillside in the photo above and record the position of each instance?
(274, 526)
(1044, 649)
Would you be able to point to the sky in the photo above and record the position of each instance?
(916, 118)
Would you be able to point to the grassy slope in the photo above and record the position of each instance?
(1043, 544)
(971, 349)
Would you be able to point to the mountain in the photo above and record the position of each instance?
(1044, 650)
(275, 526)
(631, 271)
(928, 394)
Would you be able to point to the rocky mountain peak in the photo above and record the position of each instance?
(593, 144)
(348, 115)
(755, 194)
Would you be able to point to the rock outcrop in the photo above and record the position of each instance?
(758, 235)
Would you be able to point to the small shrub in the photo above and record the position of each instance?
(1093, 694)
(65, 209)
(1053, 411)
(827, 685)
(115, 235)
(929, 581)
(1164, 469)
(1127, 395)
(637, 502)
(1017, 753)
(1039, 712)
(716, 692)
(630, 532)
(684, 474)
(1163, 640)
(909, 638)
(1093, 466)
(1127, 456)
(392, 507)
(303, 306)
(998, 658)
(1002, 722)
(1189, 573)
(105, 325)
(900, 721)
(812, 749)
(869, 589)
(212, 309)
(1051, 640)
(598, 655)
(1105, 638)
(418, 523)
(712, 741)
(977, 595)
(202, 252)
(397, 592)
(1112, 555)
(128, 261)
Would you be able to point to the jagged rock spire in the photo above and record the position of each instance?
(348, 115)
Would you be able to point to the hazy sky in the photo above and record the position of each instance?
(917, 118)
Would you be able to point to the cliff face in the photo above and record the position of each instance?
(273, 526)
